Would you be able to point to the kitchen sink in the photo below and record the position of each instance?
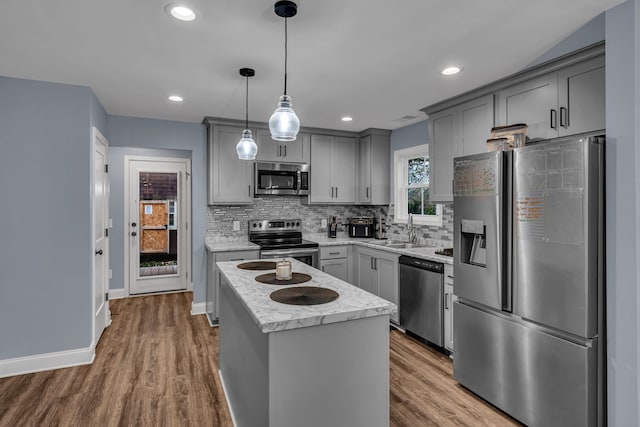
(398, 244)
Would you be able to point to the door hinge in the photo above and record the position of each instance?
(106, 168)
(106, 296)
(187, 273)
(106, 232)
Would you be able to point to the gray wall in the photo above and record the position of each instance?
(623, 163)
(116, 204)
(45, 232)
(161, 134)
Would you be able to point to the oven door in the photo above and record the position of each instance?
(307, 255)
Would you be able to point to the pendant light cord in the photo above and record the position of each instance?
(285, 56)
(246, 109)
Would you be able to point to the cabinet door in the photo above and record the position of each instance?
(321, 187)
(475, 120)
(219, 257)
(443, 147)
(268, 149)
(534, 102)
(448, 317)
(364, 276)
(386, 271)
(229, 177)
(336, 267)
(343, 170)
(276, 151)
(364, 166)
(581, 97)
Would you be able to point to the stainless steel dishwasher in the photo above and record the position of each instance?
(421, 290)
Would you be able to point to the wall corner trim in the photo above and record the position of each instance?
(198, 308)
(46, 362)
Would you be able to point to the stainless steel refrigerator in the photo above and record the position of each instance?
(529, 276)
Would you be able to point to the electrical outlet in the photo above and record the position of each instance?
(236, 225)
(324, 223)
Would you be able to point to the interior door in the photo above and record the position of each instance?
(158, 215)
(100, 236)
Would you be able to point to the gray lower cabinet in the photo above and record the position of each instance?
(567, 102)
(457, 131)
(334, 260)
(377, 272)
(449, 298)
(229, 178)
(213, 277)
(373, 168)
(333, 169)
(286, 152)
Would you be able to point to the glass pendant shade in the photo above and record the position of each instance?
(247, 148)
(284, 124)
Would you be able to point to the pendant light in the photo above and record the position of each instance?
(284, 124)
(247, 148)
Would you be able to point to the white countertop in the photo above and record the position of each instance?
(353, 303)
(427, 252)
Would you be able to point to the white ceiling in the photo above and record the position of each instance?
(377, 60)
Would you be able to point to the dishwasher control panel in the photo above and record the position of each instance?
(424, 264)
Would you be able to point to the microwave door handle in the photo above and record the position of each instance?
(299, 181)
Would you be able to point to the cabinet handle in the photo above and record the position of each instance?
(279, 150)
(285, 151)
(334, 253)
(553, 119)
(323, 268)
(446, 301)
(375, 263)
(372, 263)
(564, 118)
(249, 191)
(367, 192)
(336, 192)
(332, 192)
(236, 259)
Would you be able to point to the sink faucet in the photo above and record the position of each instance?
(411, 230)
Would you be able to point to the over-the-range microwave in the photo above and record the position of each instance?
(281, 179)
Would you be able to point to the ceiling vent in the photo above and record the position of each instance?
(405, 118)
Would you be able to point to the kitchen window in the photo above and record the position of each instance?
(411, 185)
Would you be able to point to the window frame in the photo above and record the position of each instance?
(400, 177)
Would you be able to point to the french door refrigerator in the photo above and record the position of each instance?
(529, 274)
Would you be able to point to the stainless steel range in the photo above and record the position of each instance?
(282, 238)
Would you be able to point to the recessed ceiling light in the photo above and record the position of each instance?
(347, 119)
(175, 98)
(180, 12)
(449, 71)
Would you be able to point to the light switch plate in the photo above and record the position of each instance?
(236, 225)
(324, 223)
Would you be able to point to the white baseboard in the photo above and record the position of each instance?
(118, 293)
(198, 308)
(46, 362)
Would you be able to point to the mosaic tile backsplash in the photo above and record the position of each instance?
(220, 218)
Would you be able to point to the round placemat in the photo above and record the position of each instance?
(258, 265)
(270, 279)
(304, 295)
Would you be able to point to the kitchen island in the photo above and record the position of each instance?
(303, 365)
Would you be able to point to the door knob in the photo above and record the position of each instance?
(99, 252)
(133, 233)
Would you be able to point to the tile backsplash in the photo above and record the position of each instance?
(220, 218)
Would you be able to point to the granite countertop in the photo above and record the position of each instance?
(353, 303)
(426, 252)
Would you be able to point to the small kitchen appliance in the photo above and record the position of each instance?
(361, 226)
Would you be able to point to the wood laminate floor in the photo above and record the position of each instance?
(156, 365)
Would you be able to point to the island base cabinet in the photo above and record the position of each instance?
(335, 374)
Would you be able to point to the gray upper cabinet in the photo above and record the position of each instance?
(282, 152)
(229, 178)
(457, 131)
(566, 102)
(373, 168)
(333, 172)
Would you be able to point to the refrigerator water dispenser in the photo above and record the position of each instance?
(473, 241)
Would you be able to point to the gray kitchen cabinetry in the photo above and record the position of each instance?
(334, 260)
(229, 178)
(283, 152)
(213, 277)
(333, 171)
(458, 131)
(377, 272)
(565, 102)
(373, 167)
(449, 298)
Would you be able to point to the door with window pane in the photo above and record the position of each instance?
(157, 226)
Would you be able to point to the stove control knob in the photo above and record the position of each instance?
(297, 224)
(255, 225)
(288, 224)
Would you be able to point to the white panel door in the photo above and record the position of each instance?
(100, 236)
